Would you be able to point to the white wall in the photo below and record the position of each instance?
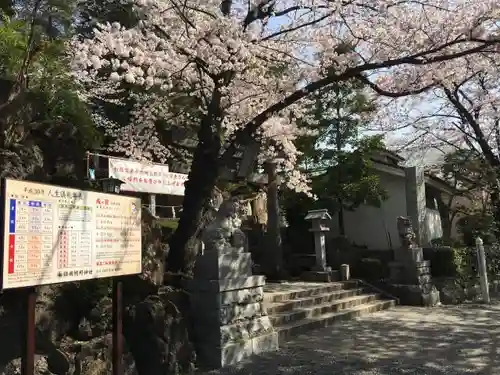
(376, 227)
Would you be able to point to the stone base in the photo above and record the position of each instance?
(234, 333)
(321, 276)
(229, 318)
(216, 356)
(409, 256)
(413, 295)
(418, 273)
(431, 299)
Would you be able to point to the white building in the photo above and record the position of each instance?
(410, 193)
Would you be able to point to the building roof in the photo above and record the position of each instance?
(390, 162)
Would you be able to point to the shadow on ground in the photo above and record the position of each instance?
(404, 340)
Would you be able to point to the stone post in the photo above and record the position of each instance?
(415, 202)
(230, 321)
(152, 204)
(483, 272)
(345, 273)
(319, 228)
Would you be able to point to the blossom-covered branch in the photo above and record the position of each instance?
(269, 69)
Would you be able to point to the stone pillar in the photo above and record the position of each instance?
(229, 319)
(319, 229)
(152, 204)
(415, 202)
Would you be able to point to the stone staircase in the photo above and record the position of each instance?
(298, 307)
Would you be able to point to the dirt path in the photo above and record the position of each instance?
(404, 340)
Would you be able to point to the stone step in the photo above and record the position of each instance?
(320, 276)
(318, 310)
(289, 330)
(275, 293)
(279, 307)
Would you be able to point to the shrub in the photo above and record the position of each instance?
(492, 254)
(472, 226)
(369, 269)
(458, 262)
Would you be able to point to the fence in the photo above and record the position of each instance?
(167, 212)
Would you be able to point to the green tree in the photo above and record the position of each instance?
(337, 156)
(470, 176)
(45, 127)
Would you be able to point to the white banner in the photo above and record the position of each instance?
(173, 183)
(146, 177)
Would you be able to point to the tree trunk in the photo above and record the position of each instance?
(275, 247)
(340, 215)
(447, 217)
(198, 191)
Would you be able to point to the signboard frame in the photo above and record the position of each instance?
(3, 221)
(27, 294)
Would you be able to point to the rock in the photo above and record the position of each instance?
(100, 317)
(14, 367)
(93, 357)
(157, 334)
(58, 362)
(50, 329)
(84, 331)
(42, 366)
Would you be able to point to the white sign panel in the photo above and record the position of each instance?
(146, 178)
(173, 183)
(54, 234)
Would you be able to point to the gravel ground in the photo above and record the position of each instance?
(405, 340)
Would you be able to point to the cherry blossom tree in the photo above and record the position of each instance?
(462, 117)
(251, 65)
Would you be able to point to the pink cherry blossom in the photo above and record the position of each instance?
(266, 57)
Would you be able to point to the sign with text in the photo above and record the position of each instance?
(146, 178)
(53, 234)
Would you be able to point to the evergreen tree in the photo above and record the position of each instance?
(337, 157)
(46, 128)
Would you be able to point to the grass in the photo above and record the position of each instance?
(168, 223)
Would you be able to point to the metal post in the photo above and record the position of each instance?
(117, 317)
(28, 329)
(483, 275)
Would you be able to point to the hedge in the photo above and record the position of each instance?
(452, 262)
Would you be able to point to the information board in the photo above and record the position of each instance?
(53, 234)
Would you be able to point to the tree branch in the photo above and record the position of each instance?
(480, 138)
(246, 132)
(391, 94)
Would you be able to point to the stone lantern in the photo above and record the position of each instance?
(111, 185)
(318, 219)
